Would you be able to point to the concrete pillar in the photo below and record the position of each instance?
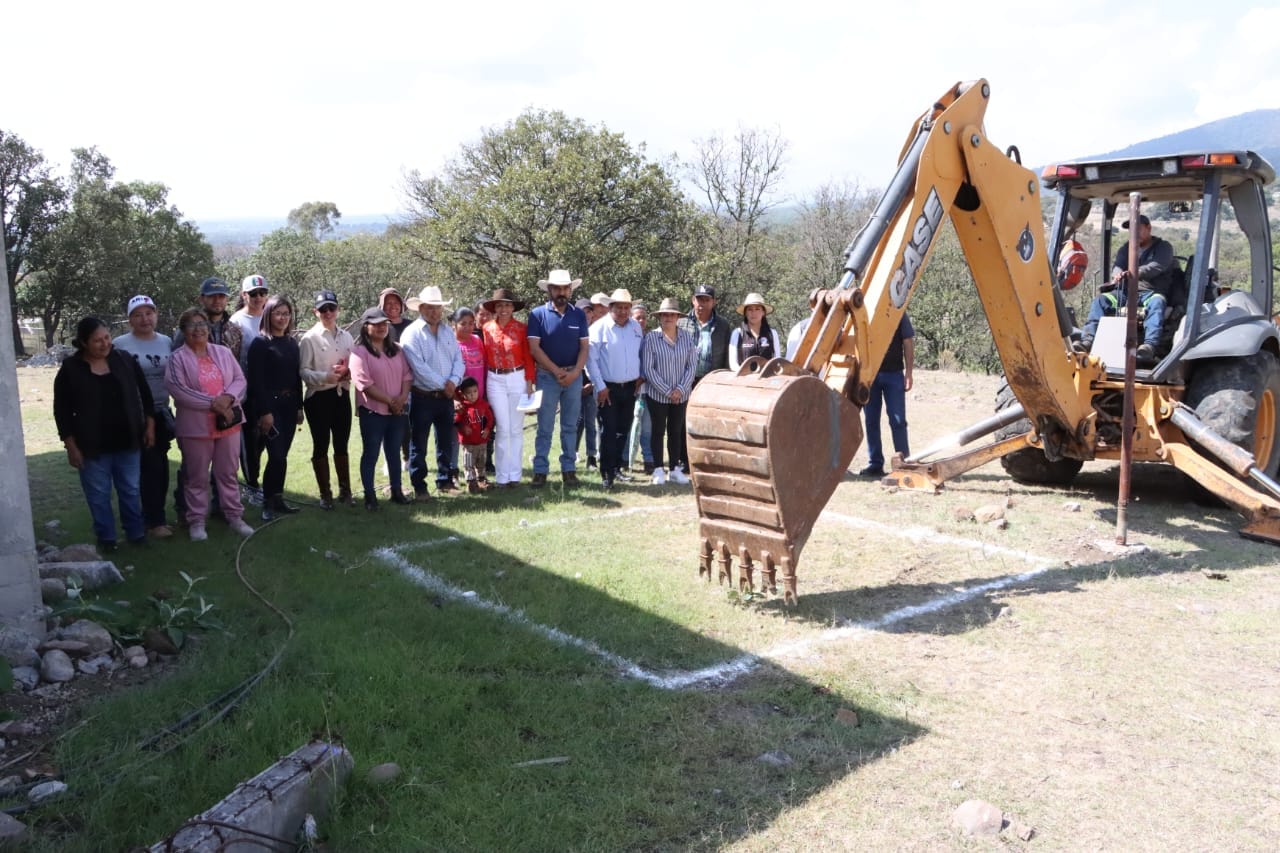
(19, 581)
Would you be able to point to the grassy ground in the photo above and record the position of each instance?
(1108, 703)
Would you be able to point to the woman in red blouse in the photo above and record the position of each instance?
(510, 374)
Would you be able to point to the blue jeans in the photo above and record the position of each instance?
(568, 400)
(587, 423)
(643, 425)
(121, 469)
(426, 414)
(1108, 305)
(889, 388)
(380, 432)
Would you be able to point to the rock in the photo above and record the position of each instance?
(1024, 831)
(97, 574)
(53, 526)
(17, 728)
(13, 832)
(138, 661)
(9, 784)
(776, 758)
(848, 717)
(26, 677)
(990, 512)
(977, 817)
(101, 661)
(87, 631)
(383, 773)
(962, 513)
(18, 647)
(87, 667)
(1213, 574)
(56, 667)
(998, 524)
(81, 553)
(75, 648)
(158, 641)
(1071, 506)
(52, 590)
(45, 790)
(133, 651)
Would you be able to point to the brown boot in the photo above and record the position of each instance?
(473, 487)
(321, 467)
(342, 466)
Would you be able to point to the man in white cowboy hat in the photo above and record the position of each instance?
(614, 368)
(432, 351)
(558, 343)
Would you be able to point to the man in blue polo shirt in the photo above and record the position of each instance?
(558, 342)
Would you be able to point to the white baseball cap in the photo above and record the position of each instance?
(139, 301)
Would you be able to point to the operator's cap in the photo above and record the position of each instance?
(214, 286)
(1142, 220)
(326, 297)
(140, 301)
(705, 290)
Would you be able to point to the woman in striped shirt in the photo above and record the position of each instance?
(668, 359)
(510, 374)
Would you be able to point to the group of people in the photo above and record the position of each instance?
(242, 383)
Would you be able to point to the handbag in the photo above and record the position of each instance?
(223, 423)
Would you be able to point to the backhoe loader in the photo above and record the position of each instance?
(769, 443)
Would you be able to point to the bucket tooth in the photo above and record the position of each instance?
(768, 573)
(789, 582)
(746, 583)
(704, 559)
(725, 564)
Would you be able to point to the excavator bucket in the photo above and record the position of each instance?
(766, 452)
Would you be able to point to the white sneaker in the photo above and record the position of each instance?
(678, 477)
(241, 526)
(660, 476)
(197, 533)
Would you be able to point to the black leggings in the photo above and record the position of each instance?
(328, 414)
(277, 444)
(666, 418)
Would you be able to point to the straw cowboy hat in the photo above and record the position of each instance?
(430, 296)
(560, 278)
(502, 295)
(620, 295)
(600, 299)
(754, 299)
(670, 305)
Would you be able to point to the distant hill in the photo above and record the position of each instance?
(248, 231)
(1253, 131)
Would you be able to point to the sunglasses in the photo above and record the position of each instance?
(328, 309)
(257, 294)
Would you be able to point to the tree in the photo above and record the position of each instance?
(739, 180)
(317, 218)
(32, 202)
(828, 221)
(547, 191)
(117, 240)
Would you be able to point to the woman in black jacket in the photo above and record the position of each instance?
(105, 416)
(275, 392)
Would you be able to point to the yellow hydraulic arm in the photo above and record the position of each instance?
(769, 445)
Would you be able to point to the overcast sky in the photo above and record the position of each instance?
(251, 108)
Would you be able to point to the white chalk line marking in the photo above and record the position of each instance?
(727, 671)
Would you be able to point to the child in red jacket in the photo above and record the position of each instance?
(474, 419)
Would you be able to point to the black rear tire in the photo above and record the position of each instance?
(1031, 466)
(1239, 399)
